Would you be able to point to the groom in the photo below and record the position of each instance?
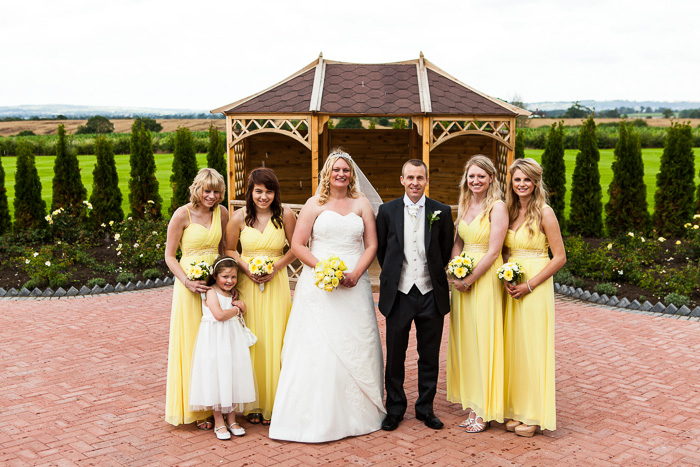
(415, 236)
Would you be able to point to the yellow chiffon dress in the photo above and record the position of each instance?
(529, 337)
(197, 244)
(268, 312)
(475, 345)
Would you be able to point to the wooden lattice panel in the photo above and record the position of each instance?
(447, 129)
(501, 162)
(239, 168)
(294, 128)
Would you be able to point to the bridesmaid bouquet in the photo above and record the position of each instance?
(260, 266)
(510, 272)
(461, 266)
(198, 271)
(329, 273)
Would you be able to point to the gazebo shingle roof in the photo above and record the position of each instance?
(405, 88)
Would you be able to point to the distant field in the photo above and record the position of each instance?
(49, 127)
(652, 159)
(44, 166)
(654, 121)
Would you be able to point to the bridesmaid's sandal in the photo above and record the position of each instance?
(206, 424)
(265, 422)
(477, 426)
(254, 417)
(222, 433)
(527, 431)
(468, 421)
(511, 424)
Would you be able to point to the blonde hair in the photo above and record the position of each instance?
(538, 201)
(206, 179)
(324, 182)
(493, 194)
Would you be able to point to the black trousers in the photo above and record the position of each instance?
(421, 309)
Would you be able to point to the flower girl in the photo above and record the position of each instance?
(222, 373)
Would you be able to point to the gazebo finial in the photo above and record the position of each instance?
(421, 54)
(320, 55)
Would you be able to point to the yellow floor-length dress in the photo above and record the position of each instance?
(475, 345)
(268, 312)
(529, 337)
(197, 244)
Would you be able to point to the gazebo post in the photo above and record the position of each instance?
(314, 153)
(511, 152)
(230, 170)
(427, 130)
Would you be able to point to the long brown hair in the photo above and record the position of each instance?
(493, 194)
(221, 262)
(538, 200)
(266, 177)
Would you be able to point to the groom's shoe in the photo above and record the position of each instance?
(391, 422)
(430, 420)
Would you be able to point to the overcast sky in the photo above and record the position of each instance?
(201, 55)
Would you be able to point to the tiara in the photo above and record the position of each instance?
(224, 259)
(341, 154)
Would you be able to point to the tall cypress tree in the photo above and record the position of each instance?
(184, 167)
(68, 188)
(106, 197)
(5, 220)
(554, 170)
(627, 208)
(143, 184)
(216, 153)
(30, 209)
(586, 194)
(519, 144)
(675, 187)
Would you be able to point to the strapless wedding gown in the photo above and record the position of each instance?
(331, 384)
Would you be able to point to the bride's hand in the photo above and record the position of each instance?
(350, 279)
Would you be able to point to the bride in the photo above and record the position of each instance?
(331, 382)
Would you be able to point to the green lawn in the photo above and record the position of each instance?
(44, 165)
(652, 159)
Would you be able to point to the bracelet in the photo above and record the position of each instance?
(528, 285)
(465, 285)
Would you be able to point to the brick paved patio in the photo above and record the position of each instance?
(83, 383)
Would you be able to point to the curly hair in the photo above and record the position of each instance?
(266, 177)
(324, 182)
(493, 194)
(538, 201)
(206, 179)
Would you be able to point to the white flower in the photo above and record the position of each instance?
(610, 246)
(620, 272)
(136, 245)
(111, 223)
(103, 225)
(630, 234)
(696, 216)
(662, 239)
(130, 218)
(154, 232)
(643, 239)
(48, 263)
(36, 254)
(157, 245)
(26, 261)
(695, 227)
(58, 243)
(150, 201)
(119, 253)
(141, 255)
(117, 236)
(678, 242)
(48, 218)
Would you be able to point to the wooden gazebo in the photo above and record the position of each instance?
(285, 127)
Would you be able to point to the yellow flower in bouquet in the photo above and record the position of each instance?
(329, 272)
(261, 266)
(510, 272)
(198, 271)
(461, 266)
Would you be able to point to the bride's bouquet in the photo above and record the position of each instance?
(329, 273)
(261, 266)
(198, 271)
(461, 266)
(510, 272)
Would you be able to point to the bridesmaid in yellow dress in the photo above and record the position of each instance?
(262, 228)
(529, 317)
(475, 346)
(197, 228)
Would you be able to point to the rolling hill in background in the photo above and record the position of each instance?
(609, 105)
(83, 111)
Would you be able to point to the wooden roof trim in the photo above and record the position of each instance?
(426, 105)
(510, 107)
(228, 107)
(317, 91)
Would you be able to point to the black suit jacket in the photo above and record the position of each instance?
(438, 247)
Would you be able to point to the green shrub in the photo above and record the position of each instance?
(349, 122)
(141, 242)
(586, 216)
(184, 168)
(58, 280)
(216, 153)
(30, 208)
(126, 276)
(99, 281)
(642, 298)
(676, 299)
(149, 124)
(606, 288)
(34, 283)
(96, 124)
(578, 282)
(144, 198)
(106, 197)
(383, 121)
(5, 220)
(46, 263)
(152, 274)
(554, 170)
(68, 188)
(563, 277)
(26, 133)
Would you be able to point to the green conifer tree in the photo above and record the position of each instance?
(216, 153)
(106, 197)
(675, 187)
(586, 194)
(143, 185)
(5, 220)
(627, 210)
(520, 144)
(30, 208)
(184, 167)
(68, 189)
(554, 170)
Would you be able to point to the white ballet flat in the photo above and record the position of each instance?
(222, 435)
(236, 429)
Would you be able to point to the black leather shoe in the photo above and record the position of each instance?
(430, 420)
(391, 422)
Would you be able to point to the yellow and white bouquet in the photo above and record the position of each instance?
(461, 265)
(510, 272)
(198, 271)
(329, 273)
(261, 266)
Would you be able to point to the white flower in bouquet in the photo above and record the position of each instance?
(261, 266)
(198, 271)
(510, 272)
(461, 266)
(329, 272)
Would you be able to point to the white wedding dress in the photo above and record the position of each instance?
(331, 384)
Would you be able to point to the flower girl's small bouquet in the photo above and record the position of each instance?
(510, 272)
(198, 271)
(261, 266)
(329, 273)
(461, 266)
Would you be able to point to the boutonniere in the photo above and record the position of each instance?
(435, 215)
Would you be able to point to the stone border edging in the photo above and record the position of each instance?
(84, 290)
(585, 295)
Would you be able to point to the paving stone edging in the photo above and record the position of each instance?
(586, 296)
(84, 290)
